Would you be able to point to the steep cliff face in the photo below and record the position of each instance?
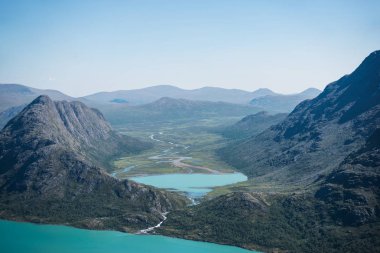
(51, 158)
(317, 136)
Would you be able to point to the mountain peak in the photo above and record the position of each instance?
(52, 157)
(370, 64)
(42, 99)
(262, 92)
(374, 54)
(70, 124)
(311, 92)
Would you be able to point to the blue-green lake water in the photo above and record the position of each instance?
(195, 185)
(17, 237)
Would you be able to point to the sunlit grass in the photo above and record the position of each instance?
(194, 139)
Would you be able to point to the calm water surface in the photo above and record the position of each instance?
(16, 237)
(195, 185)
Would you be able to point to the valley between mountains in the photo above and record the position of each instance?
(247, 174)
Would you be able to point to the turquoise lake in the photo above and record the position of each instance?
(18, 237)
(195, 185)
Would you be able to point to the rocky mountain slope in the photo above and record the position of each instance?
(283, 103)
(14, 97)
(53, 157)
(352, 190)
(337, 213)
(317, 136)
(329, 147)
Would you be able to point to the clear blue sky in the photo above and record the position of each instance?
(85, 46)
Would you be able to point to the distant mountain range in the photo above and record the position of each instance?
(263, 98)
(53, 158)
(283, 103)
(14, 97)
(314, 177)
(151, 94)
(169, 109)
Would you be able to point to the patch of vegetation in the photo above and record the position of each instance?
(186, 139)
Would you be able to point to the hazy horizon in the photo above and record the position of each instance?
(85, 47)
(101, 91)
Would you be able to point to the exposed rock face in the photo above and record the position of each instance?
(51, 160)
(317, 136)
(68, 124)
(353, 188)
